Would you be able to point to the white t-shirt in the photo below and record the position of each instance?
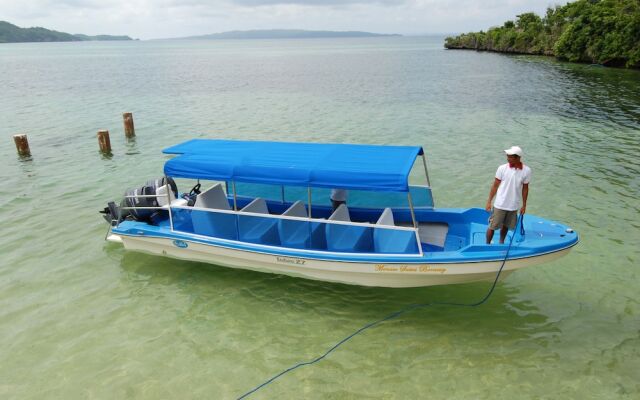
(509, 196)
(339, 194)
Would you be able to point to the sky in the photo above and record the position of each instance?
(153, 19)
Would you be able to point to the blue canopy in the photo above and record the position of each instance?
(341, 166)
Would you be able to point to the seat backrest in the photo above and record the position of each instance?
(214, 198)
(386, 218)
(297, 209)
(340, 214)
(258, 205)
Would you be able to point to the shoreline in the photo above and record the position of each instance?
(616, 63)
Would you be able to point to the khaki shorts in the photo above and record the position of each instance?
(500, 218)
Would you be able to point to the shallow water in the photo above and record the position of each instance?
(81, 318)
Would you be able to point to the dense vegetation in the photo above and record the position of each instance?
(10, 33)
(593, 31)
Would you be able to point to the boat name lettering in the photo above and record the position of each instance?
(290, 260)
(428, 268)
(408, 268)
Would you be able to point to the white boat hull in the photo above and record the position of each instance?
(397, 275)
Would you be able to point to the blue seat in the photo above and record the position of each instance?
(347, 238)
(214, 198)
(393, 241)
(211, 223)
(300, 234)
(218, 225)
(256, 229)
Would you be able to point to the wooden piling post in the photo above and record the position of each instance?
(129, 130)
(104, 142)
(22, 144)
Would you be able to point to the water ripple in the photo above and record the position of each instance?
(87, 319)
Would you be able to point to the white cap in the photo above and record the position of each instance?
(514, 150)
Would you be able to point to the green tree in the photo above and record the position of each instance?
(594, 31)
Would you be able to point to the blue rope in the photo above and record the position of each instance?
(395, 315)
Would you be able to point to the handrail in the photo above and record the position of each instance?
(309, 251)
(301, 219)
(145, 208)
(308, 219)
(141, 196)
(274, 216)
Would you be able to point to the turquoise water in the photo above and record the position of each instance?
(81, 318)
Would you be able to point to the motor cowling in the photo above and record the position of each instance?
(156, 189)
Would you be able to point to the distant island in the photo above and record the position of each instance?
(10, 33)
(603, 32)
(286, 34)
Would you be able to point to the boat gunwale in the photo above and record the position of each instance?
(355, 257)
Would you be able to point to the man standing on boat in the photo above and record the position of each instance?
(511, 189)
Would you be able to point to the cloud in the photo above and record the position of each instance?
(148, 19)
(316, 3)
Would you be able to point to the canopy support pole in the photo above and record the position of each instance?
(309, 223)
(426, 172)
(166, 179)
(424, 162)
(235, 208)
(235, 200)
(413, 215)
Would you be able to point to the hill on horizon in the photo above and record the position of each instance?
(286, 34)
(10, 33)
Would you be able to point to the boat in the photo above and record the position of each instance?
(267, 208)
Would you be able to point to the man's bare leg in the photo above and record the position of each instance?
(503, 234)
(489, 235)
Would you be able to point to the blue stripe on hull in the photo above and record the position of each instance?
(535, 244)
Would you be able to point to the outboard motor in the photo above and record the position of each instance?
(155, 188)
(113, 214)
